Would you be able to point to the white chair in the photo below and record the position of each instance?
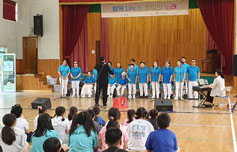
(222, 101)
(51, 81)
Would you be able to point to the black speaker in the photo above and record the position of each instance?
(163, 105)
(38, 25)
(235, 65)
(41, 102)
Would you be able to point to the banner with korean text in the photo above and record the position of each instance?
(159, 8)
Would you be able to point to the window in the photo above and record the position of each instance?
(9, 10)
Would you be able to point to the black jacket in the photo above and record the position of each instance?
(102, 76)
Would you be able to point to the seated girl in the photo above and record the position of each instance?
(13, 139)
(123, 82)
(88, 86)
(60, 124)
(43, 132)
(111, 86)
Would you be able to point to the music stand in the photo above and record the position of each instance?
(232, 110)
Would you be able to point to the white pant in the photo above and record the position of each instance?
(155, 86)
(63, 84)
(95, 87)
(190, 89)
(122, 90)
(131, 89)
(143, 86)
(86, 90)
(75, 87)
(179, 89)
(111, 89)
(167, 90)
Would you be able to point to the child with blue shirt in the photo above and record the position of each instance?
(122, 85)
(118, 72)
(98, 118)
(167, 73)
(111, 86)
(75, 78)
(82, 136)
(132, 80)
(155, 79)
(162, 140)
(88, 85)
(143, 73)
(63, 72)
(192, 79)
(44, 131)
(179, 76)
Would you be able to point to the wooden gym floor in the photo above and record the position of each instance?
(197, 130)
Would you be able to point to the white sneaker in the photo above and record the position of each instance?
(83, 96)
(129, 97)
(134, 97)
(175, 98)
(89, 96)
(165, 98)
(153, 97)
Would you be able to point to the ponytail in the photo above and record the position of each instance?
(130, 114)
(41, 109)
(8, 134)
(84, 119)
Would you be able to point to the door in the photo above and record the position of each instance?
(30, 55)
(97, 51)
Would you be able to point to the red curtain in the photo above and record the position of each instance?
(219, 18)
(74, 17)
(9, 10)
(104, 38)
(80, 52)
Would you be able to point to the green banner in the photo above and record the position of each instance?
(96, 8)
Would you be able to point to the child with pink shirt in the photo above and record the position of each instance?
(114, 115)
(130, 117)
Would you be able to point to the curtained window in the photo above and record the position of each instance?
(9, 10)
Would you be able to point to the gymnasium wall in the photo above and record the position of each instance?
(151, 38)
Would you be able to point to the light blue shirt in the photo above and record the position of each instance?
(135, 68)
(112, 80)
(75, 72)
(193, 73)
(118, 73)
(155, 73)
(95, 73)
(132, 76)
(185, 67)
(89, 80)
(179, 74)
(64, 70)
(112, 69)
(80, 142)
(167, 73)
(37, 142)
(143, 73)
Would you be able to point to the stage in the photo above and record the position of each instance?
(196, 129)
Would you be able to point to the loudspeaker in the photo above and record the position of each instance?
(38, 25)
(40, 102)
(235, 65)
(163, 105)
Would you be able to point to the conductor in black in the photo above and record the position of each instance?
(103, 70)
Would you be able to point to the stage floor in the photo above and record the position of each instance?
(197, 130)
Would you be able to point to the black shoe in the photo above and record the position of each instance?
(105, 105)
(97, 105)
